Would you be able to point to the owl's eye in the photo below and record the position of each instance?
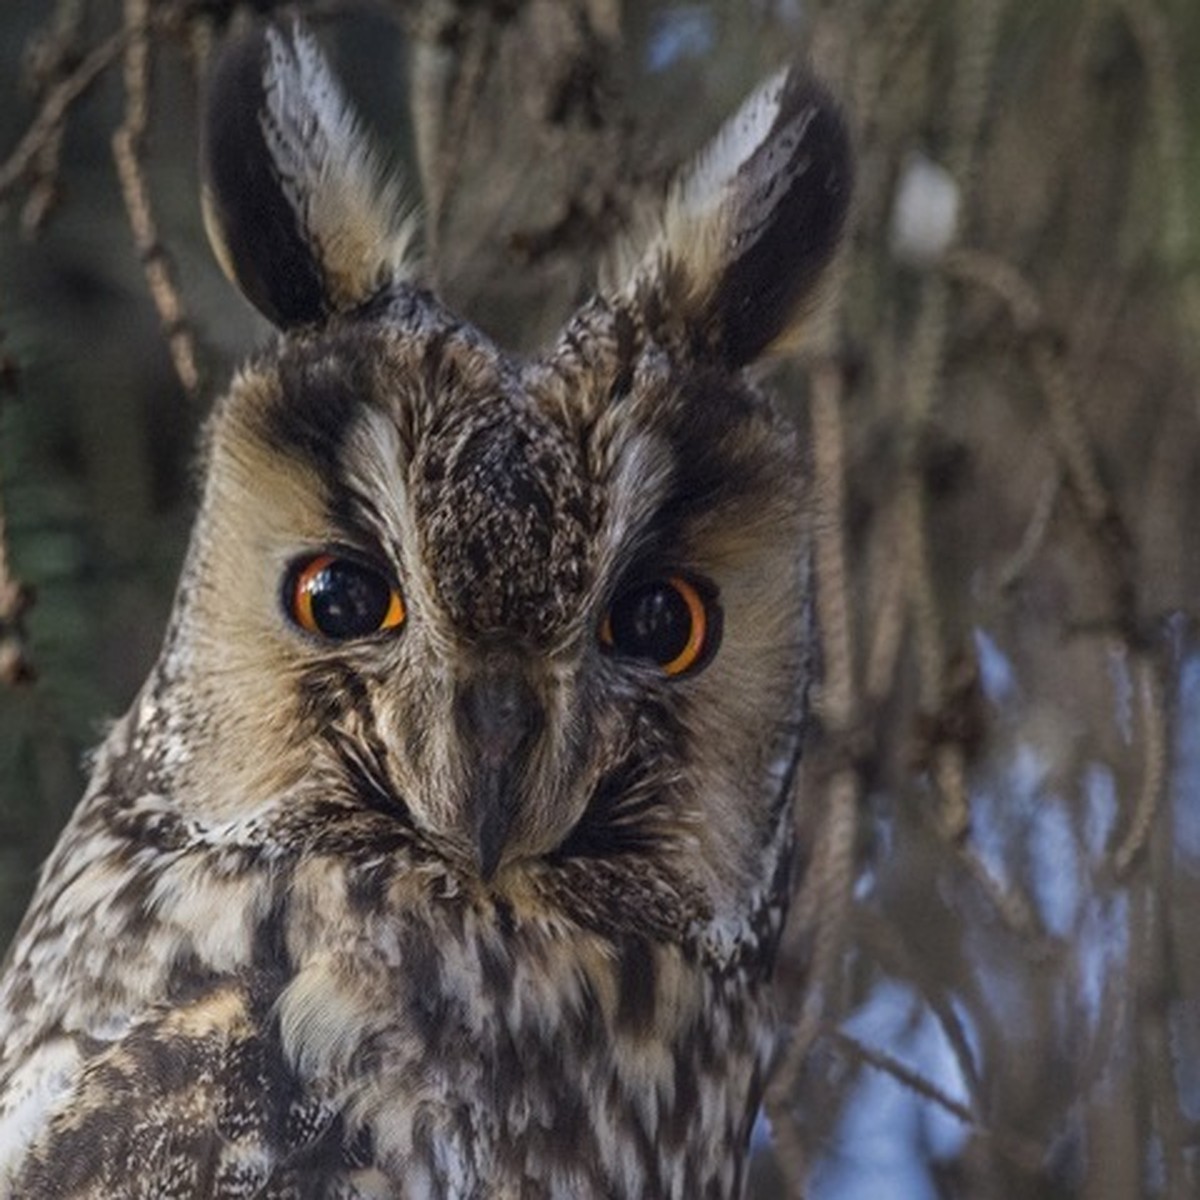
(340, 598)
(673, 622)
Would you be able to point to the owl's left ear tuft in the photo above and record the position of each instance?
(736, 255)
(298, 211)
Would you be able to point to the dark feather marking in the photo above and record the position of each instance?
(637, 986)
(360, 519)
(718, 465)
(142, 829)
(506, 921)
(276, 267)
(377, 796)
(269, 955)
(323, 385)
(440, 374)
(677, 1126)
(435, 1012)
(131, 775)
(627, 812)
(788, 240)
(189, 979)
(367, 884)
(625, 335)
(328, 692)
(610, 824)
(497, 968)
(709, 451)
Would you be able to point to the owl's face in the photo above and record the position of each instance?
(532, 611)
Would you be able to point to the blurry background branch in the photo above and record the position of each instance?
(991, 985)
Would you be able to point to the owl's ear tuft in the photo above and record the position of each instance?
(298, 211)
(735, 257)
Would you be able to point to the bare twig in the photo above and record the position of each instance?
(1169, 128)
(453, 51)
(825, 900)
(913, 1080)
(24, 159)
(1018, 1149)
(1048, 364)
(50, 59)
(43, 193)
(1035, 532)
(127, 150)
(1071, 439)
(838, 699)
(889, 617)
(1002, 279)
(1151, 978)
(15, 599)
(1154, 765)
(826, 896)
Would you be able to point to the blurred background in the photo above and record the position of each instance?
(989, 981)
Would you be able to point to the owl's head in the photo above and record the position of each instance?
(524, 614)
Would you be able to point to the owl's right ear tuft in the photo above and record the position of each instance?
(298, 211)
(734, 259)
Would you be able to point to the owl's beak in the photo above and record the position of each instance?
(499, 715)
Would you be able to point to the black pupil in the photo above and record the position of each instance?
(348, 600)
(651, 622)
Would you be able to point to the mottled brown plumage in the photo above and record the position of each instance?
(445, 851)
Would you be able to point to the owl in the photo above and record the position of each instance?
(444, 852)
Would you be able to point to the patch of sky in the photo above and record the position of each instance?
(1185, 777)
(1184, 1033)
(989, 833)
(886, 1136)
(1099, 809)
(1101, 947)
(996, 674)
(1154, 1167)
(1003, 808)
(1122, 680)
(882, 829)
(680, 32)
(864, 885)
(1054, 868)
(760, 1134)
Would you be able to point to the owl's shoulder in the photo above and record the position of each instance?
(194, 1099)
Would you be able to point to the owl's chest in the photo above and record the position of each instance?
(495, 1061)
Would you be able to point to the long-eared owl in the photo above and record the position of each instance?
(445, 850)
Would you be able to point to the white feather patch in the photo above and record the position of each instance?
(43, 1081)
(716, 208)
(706, 185)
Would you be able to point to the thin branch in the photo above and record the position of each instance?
(1034, 536)
(1021, 1150)
(1072, 443)
(1152, 980)
(838, 699)
(50, 58)
(889, 620)
(825, 899)
(1171, 138)
(44, 192)
(1154, 765)
(880, 1060)
(24, 159)
(453, 53)
(976, 48)
(127, 145)
(15, 600)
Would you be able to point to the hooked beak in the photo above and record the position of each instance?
(499, 716)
